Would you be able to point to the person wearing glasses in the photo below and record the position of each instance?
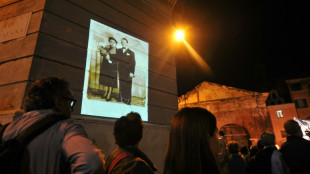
(63, 147)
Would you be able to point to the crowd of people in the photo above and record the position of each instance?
(267, 158)
(194, 145)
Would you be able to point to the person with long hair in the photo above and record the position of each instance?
(193, 143)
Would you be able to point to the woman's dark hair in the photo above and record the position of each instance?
(128, 130)
(42, 93)
(188, 148)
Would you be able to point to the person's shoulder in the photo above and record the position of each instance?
(305, 142)
(141, 167)
(69, 125)
(131, 51)
(235, 157)
(240, 157)
(68, 121)
(298, 141)
(276, 153)
(285, 146)
(119, 49)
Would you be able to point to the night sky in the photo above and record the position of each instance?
(248, 44)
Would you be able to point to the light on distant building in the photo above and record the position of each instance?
(279, 114)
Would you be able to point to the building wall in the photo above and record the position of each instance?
(289, 112)
(304, 93)
(231, 106)
(56, 45)
(17, 55)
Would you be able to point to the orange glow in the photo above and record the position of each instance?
(198, 58)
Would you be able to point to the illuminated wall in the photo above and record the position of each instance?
(300, 93)
(56, 44)
(288, 111)
(231, 106)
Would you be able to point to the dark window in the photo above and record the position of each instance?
(296, 87)
(301, 103)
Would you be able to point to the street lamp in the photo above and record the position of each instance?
(179, 35)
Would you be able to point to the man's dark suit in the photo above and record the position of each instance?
(126, 66)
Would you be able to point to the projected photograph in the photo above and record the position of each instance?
(116, 73)
(305, 127)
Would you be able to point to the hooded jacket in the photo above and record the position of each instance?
(62, 148)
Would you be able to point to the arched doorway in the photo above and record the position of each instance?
(235, 132)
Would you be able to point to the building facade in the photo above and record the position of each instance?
(280, 113)
(300, 94)
(245, 114)
(241, 114)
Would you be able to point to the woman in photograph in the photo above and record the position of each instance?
(193, 143)
(108, 68)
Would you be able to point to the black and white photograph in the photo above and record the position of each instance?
(116, 73)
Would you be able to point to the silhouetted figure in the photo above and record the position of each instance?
(193, 143)
(236, 164)
(251, 168)
(127, 158)
(269, 160)
(222, 157)
(296, 150)
(259, 145)
(63, 147)
(244, 154)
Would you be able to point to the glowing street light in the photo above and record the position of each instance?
(179, 35)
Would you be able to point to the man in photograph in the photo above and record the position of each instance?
(126, 69)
